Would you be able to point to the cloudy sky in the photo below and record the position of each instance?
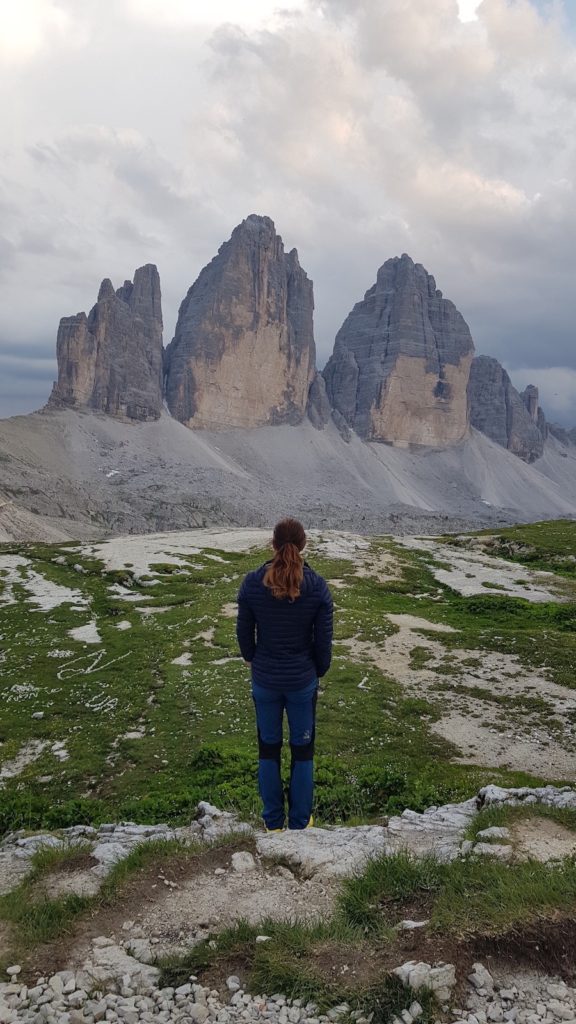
(135, 131)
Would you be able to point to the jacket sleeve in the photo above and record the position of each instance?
(245, 625)
(323, 629)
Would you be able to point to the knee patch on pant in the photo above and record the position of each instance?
(302, 751)
(269, 751)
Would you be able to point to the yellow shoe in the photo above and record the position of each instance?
(266, 829)
(309, 825)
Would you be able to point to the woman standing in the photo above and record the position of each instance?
(284, 631)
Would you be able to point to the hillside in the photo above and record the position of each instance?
(71, 474)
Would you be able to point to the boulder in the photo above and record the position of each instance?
(243, 354)
(111, 360)
(401, 361)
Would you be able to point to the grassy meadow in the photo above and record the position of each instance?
(149, 710)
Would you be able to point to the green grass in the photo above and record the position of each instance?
(461, 898)
(508, 816)
(197, 721)
(548, 546)
(36, 918)
(297, 962)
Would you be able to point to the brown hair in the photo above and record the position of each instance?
(285, 572)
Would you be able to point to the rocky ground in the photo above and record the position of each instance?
(68, 474)
(525, 997)
(114, 977)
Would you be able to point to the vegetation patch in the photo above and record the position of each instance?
(158, 715)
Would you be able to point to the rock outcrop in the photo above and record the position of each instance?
(111, 360)
(512, 420)
(243, 354)
(563, 434)
(401, 362)
(319, 410)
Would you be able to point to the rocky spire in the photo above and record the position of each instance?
(111, 360)
(401, 361)
(512, 420)
(243, 354)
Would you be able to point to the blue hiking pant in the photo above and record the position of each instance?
(300, 706)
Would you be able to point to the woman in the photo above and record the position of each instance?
(284, 631)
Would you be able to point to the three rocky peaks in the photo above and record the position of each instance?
(243, 355)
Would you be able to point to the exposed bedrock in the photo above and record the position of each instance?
(513, 420)
(111, 360)
(243, 354)
(401, 361)
(319, 410)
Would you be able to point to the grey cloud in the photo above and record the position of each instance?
(30, 369)
(361, 135)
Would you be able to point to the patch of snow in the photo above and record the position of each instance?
(29, 753)
(44, 593)
(345, 545)
(145, 550)
(87, 634)
(124, 625)
(183, 659)
(472, 572)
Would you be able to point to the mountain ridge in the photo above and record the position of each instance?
(233, 423)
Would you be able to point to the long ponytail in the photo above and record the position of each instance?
(285, 573)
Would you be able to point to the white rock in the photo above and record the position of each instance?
(495, 1012)
(141, 950)
(493, 850)
(198, 1013)
(557, 991)
(494, 832)
(563, 1011)
(209, 810)
(481, 978)
(263, 938)
(56, 984)
(13, 971)
(243, 862)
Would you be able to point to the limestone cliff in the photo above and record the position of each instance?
(111, 360)
(512, 420)
(401, 362)
(243, 354)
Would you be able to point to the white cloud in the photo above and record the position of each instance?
(467, 9)
(197, 12)
(30, 25)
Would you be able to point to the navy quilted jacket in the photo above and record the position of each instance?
(288, 642)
